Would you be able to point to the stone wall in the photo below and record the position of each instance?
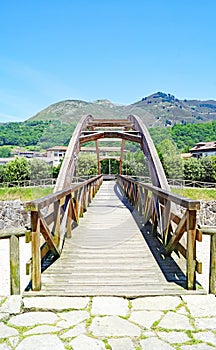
(13, 214)
(207, 213)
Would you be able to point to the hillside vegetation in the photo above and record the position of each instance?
(159, 109)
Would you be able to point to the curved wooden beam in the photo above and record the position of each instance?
(69, 163)
(155, 167)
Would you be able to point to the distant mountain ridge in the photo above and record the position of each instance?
(159, 109)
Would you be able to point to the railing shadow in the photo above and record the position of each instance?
(168, 266)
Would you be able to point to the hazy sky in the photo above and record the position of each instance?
(121, 50)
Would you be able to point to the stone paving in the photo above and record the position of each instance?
(100, 323)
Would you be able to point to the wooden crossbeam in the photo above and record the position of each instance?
(48, 236)
(110, 134)
(181, 228)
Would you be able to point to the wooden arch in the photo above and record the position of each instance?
(90, 129)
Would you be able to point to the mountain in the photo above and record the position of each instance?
(158, 109)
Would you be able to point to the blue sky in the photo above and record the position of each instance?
(121, 50)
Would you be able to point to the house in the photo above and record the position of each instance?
(204, 149)
(56, 154)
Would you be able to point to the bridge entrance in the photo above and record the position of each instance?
(105, 238)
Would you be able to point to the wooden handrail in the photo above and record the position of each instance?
(52, 217)
(155, 204)
(14, 236)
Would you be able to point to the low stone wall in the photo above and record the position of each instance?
(207, 213)
(13, 214)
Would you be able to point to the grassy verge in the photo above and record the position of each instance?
(31, 193)
(24, 194)
(206, 194)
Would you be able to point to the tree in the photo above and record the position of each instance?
(209, 165)
(86, 164)
(193, 169)
(17, 169)
(2, 173)
(5, 152)
(171, 159)
(39, 169)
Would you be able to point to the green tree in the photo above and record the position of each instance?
(193, 169)
(2, 173)
(5, 152)
(86, 164)
(17, 169)
(39, 169)
(209, 165)
(171, 159)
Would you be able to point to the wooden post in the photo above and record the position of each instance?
(36, 253)
(212, 275)
(191, 249)
(14, 265)
(69, 219)
(57, 222)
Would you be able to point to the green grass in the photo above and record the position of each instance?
(196, 193)
(24, 194)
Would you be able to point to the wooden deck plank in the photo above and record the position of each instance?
(109, 255)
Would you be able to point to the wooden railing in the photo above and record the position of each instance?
(13, 237)
(211, 230)
(159, 207)
(51, 221)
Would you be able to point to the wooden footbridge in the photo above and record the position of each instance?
(120, 237)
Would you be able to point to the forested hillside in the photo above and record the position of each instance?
(185, 136)
(40, 135)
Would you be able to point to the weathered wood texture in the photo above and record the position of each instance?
(14, 236)
(109, 255)
(211, 230)
(168, 226)
(50, 227)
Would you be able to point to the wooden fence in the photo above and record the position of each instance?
(51, 221)
(14, 236)
(159, 206)
(211, 230)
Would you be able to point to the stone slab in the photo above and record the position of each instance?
(73, 317)
(42, 330)
(207, 337)
(121, 344)
(77, 330)
(197, 347)
(173, 320)
(6, 332)
(145, 318)
(86, 343)
(206, 323)
(156, 303)
(12, 305)
(155, 343)
(4, 346)
(41, 342)
(109, 306)
(174, 337)
(56, 303)
(110, 326)
(201, 305)
(34, 318)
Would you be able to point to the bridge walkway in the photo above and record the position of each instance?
(108, 254)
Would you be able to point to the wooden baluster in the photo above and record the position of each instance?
(36, 253)
(14, 265)
(69, 219)
(191, 249)
(212, 275)
(57, 222)
(81, 202)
